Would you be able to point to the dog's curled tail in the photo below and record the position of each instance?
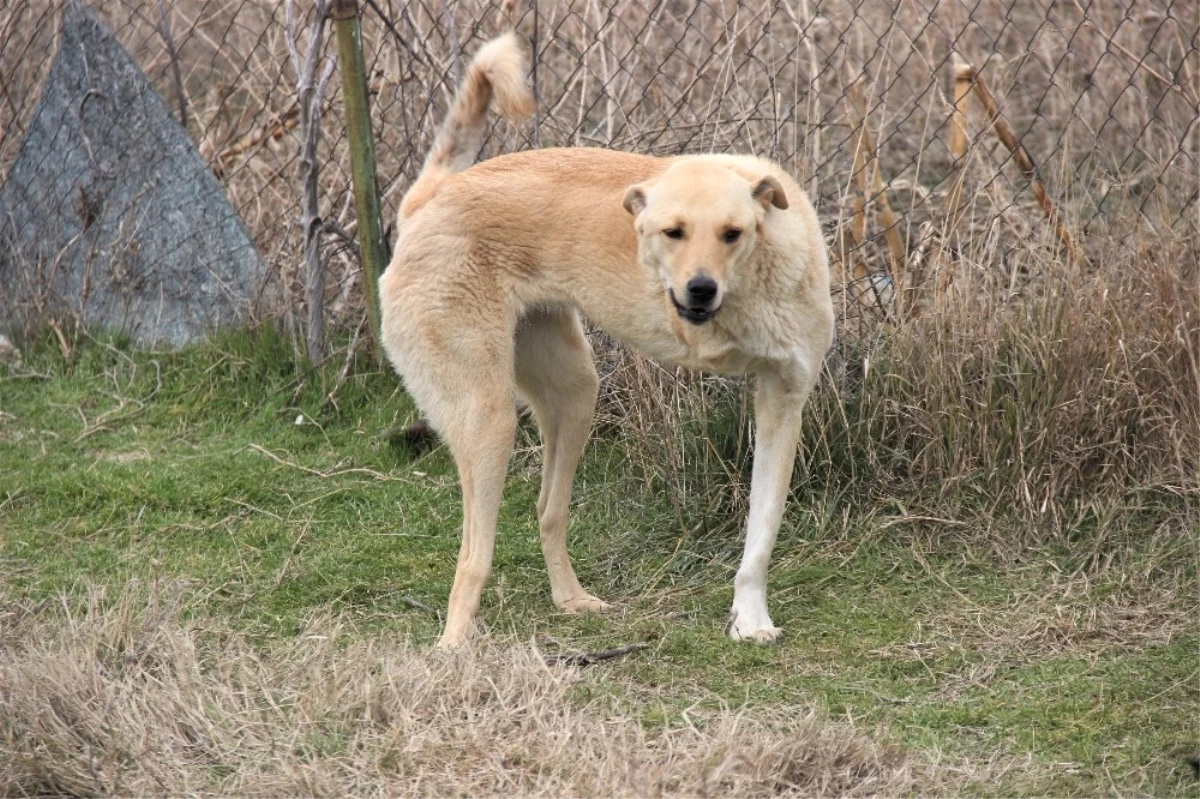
(497, 70)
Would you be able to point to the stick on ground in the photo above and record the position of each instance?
(417, 604)
(590, 658)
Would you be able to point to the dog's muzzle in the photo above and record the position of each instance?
(697, 315)
(700, 298)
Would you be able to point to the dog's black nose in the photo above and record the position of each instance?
(701, 291)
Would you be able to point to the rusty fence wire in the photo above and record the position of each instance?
(935, 135)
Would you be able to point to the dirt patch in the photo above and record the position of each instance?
(132, 456)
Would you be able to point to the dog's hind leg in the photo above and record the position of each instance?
(556, 375)
(479, 426)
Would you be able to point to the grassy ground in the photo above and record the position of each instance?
(1031, 669)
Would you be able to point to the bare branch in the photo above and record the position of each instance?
(591, 658)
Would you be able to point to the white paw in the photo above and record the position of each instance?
(768, 634)
(752, 623)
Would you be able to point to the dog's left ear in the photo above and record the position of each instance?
(770, 192)
(635, 199)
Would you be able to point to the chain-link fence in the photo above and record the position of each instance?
(934, 135)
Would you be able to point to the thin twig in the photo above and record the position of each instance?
(274, 129)
(326, 474)
(419, 605)
(279, 575)
(387, 23)
(591, 658)
(331, 399)
(333, 228)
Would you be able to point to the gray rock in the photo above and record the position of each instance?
(108, 211)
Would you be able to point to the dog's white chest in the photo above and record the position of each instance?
(705, 347)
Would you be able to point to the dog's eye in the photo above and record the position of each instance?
(732, 235)
(673, 233)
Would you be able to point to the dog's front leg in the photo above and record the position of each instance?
(777, 405)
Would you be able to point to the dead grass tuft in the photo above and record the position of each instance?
(120, 695)
(1051, 400)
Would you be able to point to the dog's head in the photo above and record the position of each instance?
(697, 224)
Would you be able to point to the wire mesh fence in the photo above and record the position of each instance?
(935, 136)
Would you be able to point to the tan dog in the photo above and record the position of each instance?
(712, 261)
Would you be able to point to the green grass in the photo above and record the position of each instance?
(1012, 670)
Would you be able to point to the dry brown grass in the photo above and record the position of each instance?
(121, 696)
(1083, 381)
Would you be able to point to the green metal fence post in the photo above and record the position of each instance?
(362, 156)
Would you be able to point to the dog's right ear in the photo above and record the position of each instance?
(635, 199)
(769, 191)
